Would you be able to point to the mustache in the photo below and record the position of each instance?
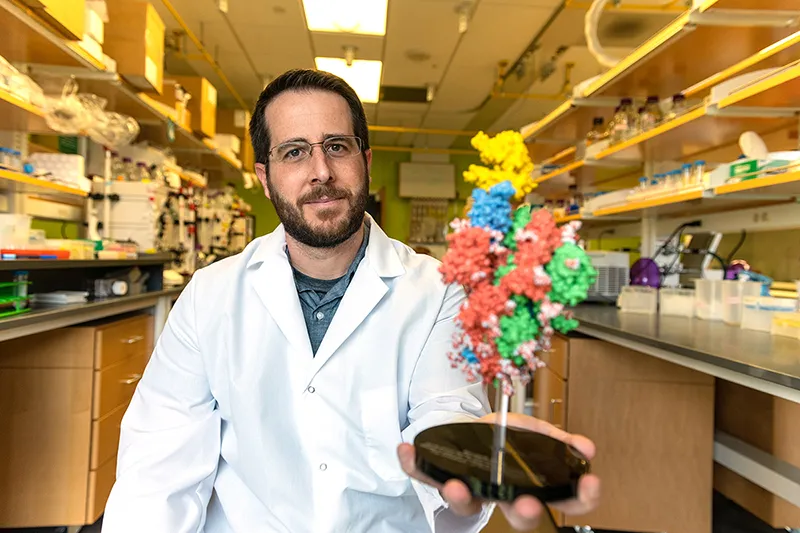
(324, 191)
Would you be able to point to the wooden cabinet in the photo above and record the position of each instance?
(652, 422)
(769, 424)
(62, 397)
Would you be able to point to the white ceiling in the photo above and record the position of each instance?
(422, 46)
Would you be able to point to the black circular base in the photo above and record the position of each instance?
(533, 463)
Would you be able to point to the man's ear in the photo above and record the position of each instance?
(368, 155)
(261, 172)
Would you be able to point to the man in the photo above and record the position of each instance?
(290, 379)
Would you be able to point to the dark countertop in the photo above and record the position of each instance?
(753, 353)
(76, 312)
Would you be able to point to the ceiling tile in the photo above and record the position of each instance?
(433, 141)
(451, 121)
(420, 39)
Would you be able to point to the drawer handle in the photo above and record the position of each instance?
(133, 378)
(553, 402)
(133, 340)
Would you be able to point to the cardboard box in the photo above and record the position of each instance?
(237, 122)
(202, 106)
(94, 25)
(134, 37)
(66, 16)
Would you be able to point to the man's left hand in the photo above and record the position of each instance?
(525, 512)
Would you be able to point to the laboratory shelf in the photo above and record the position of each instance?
(661, 129)
(787, 184)
(669, 63)
(19, 115)
(27, 39)
(780, 89)
(17, 182)
(642, 205)
(565, 169)
(53, 264)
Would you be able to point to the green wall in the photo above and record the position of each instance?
(385, 173)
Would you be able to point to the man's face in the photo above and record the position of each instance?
(320, 201)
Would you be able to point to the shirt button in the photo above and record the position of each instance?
(320, 315)
(323, 467)
(311, 389)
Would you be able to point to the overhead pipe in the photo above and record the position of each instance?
(422, 150)
(204, 53)
(564, 91)
(426, 131)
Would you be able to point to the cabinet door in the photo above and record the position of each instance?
(549, 397)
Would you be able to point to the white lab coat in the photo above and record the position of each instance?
(237, 428)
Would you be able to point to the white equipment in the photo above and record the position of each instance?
(613, 273)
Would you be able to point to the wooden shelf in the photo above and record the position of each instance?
(780, 89)
(11, 181)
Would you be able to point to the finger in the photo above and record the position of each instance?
(588, 497)
(524, 513)
(460, 499)
(407, 456)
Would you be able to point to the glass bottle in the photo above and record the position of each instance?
(678, 107)
(117, 168)
(128, 169)
(598, 131)
(157, 175)
(651, 115)
(141, 173)
(622, 121)
(699, 173)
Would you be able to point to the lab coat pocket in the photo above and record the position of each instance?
(379, 419)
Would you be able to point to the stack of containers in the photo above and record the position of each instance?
(759, 310)
(639, 300)
(708, 299)
(67, 169)
(677, 302)
(733, 294)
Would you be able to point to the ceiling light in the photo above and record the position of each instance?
(367, 17)
(363, 76)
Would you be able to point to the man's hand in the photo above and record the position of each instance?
(524, 513)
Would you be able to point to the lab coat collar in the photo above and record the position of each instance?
(272, 280)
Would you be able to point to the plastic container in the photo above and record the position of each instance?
(733, 294)
(759, 310)
(14, 231)
(708, 299)
(14, 295)
(677, 302)
(786, 325)
(639, 300)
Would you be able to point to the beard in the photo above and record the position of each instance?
(330, 235)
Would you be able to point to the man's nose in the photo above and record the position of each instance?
(320, 165)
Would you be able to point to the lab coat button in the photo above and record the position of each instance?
(323, 467)
(311, 389)
(320, 315)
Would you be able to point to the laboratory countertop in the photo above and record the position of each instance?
(51, 317)
(753, 353)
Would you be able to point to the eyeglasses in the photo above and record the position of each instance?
(333, 147)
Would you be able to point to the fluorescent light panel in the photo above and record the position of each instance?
(364, 76)
(366, 17)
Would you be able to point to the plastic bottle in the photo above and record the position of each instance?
(117, 168)
(699, 173)
(687, 175)
(651, 115)
(598, 131)
(678, 107)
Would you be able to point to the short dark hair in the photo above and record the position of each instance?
(304, 80)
